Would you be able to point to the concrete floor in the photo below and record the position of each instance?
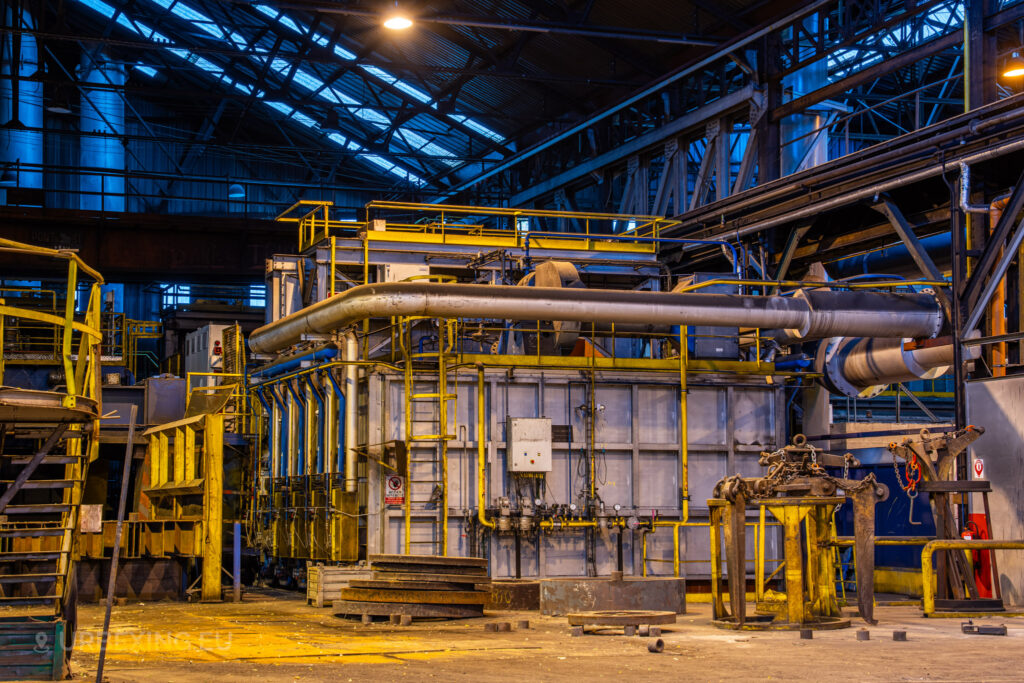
(274, 636)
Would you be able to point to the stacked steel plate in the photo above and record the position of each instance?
(419, 586)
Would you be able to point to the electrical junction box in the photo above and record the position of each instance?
(529, 444)
(397, 272)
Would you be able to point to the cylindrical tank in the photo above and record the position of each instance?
(102, 111)
(21, 105)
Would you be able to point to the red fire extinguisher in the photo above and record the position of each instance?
(977, 528)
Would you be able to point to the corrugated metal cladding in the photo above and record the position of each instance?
(638, 451)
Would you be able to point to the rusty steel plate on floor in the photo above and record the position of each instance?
(514, 594)
(410, 568)
(588, 594)
(436, 560)
(625, 617)
(425, 597)
(384, 609)
(424, 576)
(412, 585)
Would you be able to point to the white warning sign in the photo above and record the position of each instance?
(979, 468)
(394, 490)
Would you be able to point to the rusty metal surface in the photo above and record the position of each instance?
(43, 407)
(621, 617)
(432, 560)
(420, 610)
(430, 597)
(514, 594)
(563, 596)
(425, 576)
(412, 585)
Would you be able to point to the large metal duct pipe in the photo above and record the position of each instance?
(813, 314)
(862, 368)
(102, 112)
(21, 104)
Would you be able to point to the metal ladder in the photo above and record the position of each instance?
(426, 470)
(41, 489)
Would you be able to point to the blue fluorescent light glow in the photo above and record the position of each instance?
(215, 71)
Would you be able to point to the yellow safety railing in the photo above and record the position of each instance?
(78, 338)
(446, 222)
(928, 571)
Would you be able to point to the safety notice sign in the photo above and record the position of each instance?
(979, 468)
(394, 490)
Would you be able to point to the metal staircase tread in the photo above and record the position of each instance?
(43, 483)
(29, 578)
(42, 556)
(37, 509)
(29, 533)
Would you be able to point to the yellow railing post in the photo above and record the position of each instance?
(69, 321)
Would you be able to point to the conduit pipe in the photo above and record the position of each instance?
(997, 309)
(351, 375)
(481, 451)
(812, 314)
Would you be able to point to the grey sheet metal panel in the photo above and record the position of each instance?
(637, 445)
(995, 404)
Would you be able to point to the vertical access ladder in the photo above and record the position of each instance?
(429, 404)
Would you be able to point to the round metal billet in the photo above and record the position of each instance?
(395, 619)
(806, 634)
(654, 631)
(406, 620)
(656, 645)
(900, 636)
(491, 627)
(629, 630)
(644, 631)
(863, 634)
(620, 618)
(576, 631)
(523, 624)
(367, 619)
(504, 626)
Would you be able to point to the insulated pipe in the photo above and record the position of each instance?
(996, 310)
(812, 314)
(865, 367)
(102, 111)
(350, 355)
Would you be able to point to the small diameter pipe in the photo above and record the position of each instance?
(351, 374)
(481, 451)
(737, 264)
(996, 310)
(965, 192)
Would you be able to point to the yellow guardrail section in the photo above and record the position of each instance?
(928, 571)
(441, 224)
(81, 375)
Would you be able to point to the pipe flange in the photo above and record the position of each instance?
(829, 362)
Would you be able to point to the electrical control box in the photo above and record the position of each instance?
(529, 444)
(204, 352)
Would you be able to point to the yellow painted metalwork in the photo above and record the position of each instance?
(438, 365)
(186, 459)
(928, 571)
(481, 452)
(810, 587)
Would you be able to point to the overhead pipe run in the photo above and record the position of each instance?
(812, 314)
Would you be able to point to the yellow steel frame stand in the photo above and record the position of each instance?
(810, 600)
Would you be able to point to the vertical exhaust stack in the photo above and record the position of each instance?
(21, 105)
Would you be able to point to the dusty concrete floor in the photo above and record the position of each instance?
(274, 636)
